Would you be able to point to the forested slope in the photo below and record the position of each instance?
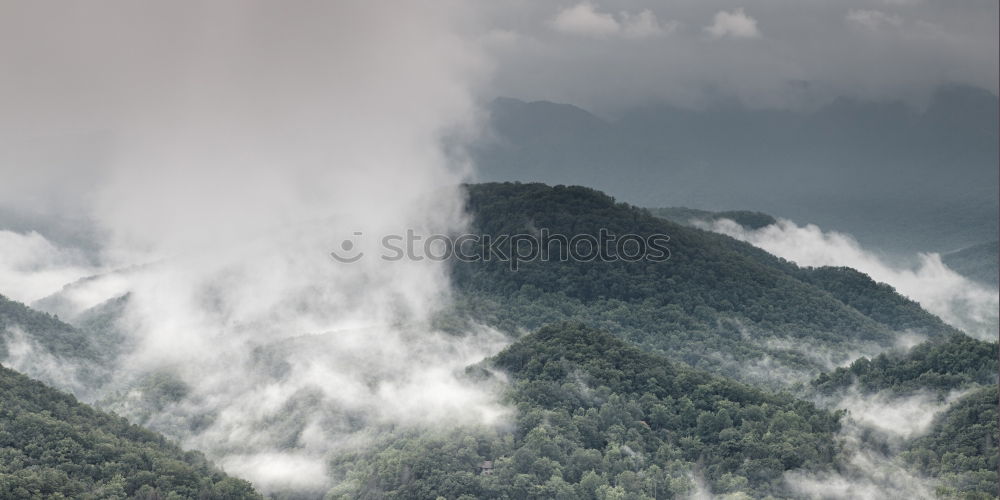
(52, 446)
(599, 418)
(959, 449)
(958, 362)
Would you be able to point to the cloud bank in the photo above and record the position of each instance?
(957, 300)
(32, 267)
(234, 158)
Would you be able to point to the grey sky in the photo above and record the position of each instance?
(609, 54)
(77, 78)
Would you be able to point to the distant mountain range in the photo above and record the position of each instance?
(896, 178)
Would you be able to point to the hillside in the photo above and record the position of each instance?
(45, 348)
(961, 448)
(715, 303)
(55, 447)
(47, 330)
(599, 418)
(958, 362)
(955, 380)
(628, 385)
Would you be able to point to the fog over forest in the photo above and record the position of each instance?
(180, 183)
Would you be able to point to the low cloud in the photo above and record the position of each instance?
(32, 267)
(876, 428)
(733, 24)
(957, 300)
(867, 472)
(868, 476)
(903, 417)
(25, 355)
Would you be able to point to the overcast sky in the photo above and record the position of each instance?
(600, 54)
(77, 77)
(609, 54)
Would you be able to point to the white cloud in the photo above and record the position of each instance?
(874, 20)
(32, 267)
(867, 475)
(28, 357)
(867, 472)
(905, 417)
(584, 19)
(735, 24)
(645, 25)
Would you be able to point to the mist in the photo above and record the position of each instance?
(867, 475)
(957, 300)
(32, 267)
(241, 142)
(876, 428)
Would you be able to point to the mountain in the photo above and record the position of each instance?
(599, 418)
(977, 262)
(716, 303)
(897, 178)
(55, 447)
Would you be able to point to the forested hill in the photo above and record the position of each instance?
(716, 303)
(52, 446)
(46, 330)
(959, 450)
(40, 345)
(599, 418)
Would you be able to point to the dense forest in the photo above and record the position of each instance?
(961, 449)
(958, 362)
(52, 446)
(598, 418)
(55, 336)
